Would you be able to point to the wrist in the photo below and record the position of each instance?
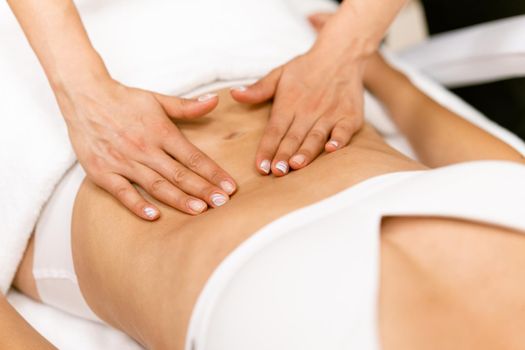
(77, 76)
(344, 36)
(75, 92)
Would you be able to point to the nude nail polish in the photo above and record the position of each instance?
(150, 212)
(218, 199)
(207, 97)
(197, 206)
(227, 186)
(334, 143)
(240, 88)
(298, 159)
(282, 166)
(265, 166)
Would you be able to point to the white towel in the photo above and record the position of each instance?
(169, 46)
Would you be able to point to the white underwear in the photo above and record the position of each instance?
(53, 267)
(309, 280)
(267, 294)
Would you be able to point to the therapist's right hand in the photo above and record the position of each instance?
(124, 136)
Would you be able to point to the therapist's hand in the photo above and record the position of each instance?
(123, 135)
(318, 105)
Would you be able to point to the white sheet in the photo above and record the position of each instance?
(478, 54)
(290, 37)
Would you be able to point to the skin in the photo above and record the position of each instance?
(121, 135)
(320, 109)
(144, 278)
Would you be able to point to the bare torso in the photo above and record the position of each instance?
(230, 136)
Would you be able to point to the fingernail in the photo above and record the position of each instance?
(207, 97)
(334, 143)
(240, 88)
(218, 199)
(298, 159)
(150, 212)
(265, 166)
(227, 186)
(197, 206)
(282, 166)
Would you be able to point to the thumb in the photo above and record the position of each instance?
(261, 91)
(183, 108)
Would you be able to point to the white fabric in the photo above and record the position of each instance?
(309, 280)
(53, 267)
(478, 54)
(36, 152)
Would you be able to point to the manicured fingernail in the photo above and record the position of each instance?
(227, 186)
(218, 199)
(298, 159)
(150, 212)
(282, 166)
(207, 97)
(265, 166)
(196, 205)
(240, 88)
(334, 143)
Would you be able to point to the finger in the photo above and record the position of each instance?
(187, 181)
(125, 193)
(261, 91)
(313, 144)
(274, 132)
(182, 108)
(161, 189)
(194, 159)
(341, 135)
(289, 146)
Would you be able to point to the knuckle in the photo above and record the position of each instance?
(273, 130)
(132, 142)
(195, 159)
(164, 129)
(346, 128)
(178, 176)
(157, 185)
(216, 175)
(318, 135)
(94, 163)
(294, 138)
(121, 192)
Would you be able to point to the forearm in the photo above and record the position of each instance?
(439, 136)
(16, 333)
(56, 34)
(359, 26)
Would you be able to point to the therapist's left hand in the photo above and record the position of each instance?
(318, 105)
